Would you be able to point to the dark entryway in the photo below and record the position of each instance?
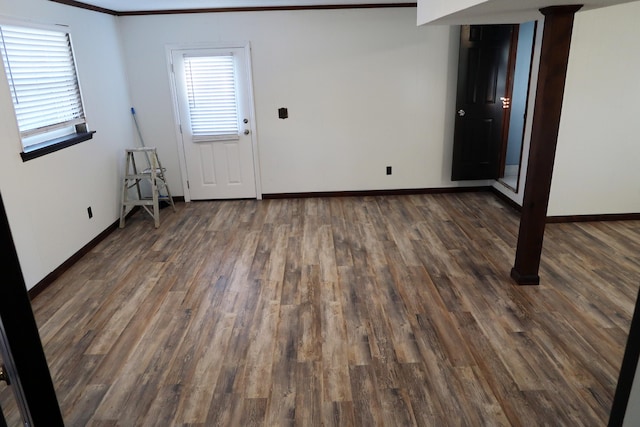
(483, 87)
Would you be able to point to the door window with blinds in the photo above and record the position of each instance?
(212, 97)
(41, 72)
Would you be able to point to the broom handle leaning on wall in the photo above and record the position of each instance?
(133, 113)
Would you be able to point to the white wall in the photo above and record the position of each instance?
(430, 10)
(365, 89)
(597, 168)
(47, 198)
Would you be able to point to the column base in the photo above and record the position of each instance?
(524, 279)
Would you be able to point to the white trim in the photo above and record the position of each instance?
(252, 120)
(169, 48)
(176, 124)
(209, 138)
(19, 21)
(4, 79)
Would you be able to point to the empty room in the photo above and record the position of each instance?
(380, 213)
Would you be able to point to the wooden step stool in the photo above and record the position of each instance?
(132, 178)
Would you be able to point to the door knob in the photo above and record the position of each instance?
(3, 375)
(247, 131)
(461, 113)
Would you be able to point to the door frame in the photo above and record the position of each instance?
(492, 168)
(169, 49)
(23, 355)
(508, 93)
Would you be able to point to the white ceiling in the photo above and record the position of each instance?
(499, 11)
(155, 5)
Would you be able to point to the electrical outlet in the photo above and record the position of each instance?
(388, 170)
(89, 212)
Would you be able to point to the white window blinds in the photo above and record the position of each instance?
(211, 92)
(42, 78)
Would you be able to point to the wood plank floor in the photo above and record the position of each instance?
(374, 311)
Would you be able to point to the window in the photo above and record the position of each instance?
(211, 92)
(42, 78)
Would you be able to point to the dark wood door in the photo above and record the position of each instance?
(482, 82)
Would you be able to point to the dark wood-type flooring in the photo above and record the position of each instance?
(390, 311)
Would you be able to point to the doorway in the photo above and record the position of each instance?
(27, 394)
(512, 156)
(493, 84)
(215, 116)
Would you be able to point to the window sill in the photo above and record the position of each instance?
(56, 145)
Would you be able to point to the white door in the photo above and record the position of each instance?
(213, 101)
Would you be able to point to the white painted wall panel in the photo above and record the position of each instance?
(597, 160)
(431, 10)
(365, 89)
(47, 198)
